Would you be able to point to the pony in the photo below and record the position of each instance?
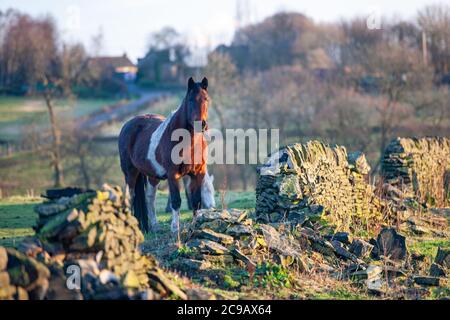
(145, 150)
(208, 200)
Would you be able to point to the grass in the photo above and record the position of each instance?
(24, 173)
(18, 113)
(17, 219)
(427, 247)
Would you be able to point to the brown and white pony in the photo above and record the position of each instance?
(145, 148)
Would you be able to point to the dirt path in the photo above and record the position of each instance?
(120, 112)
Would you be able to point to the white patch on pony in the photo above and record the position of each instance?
(150, 197)
(175, 224)
(154, 142)
(208, 200)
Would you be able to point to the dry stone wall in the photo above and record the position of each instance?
(312, 180)
(420, 167)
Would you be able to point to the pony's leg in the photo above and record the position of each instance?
(175, 201)
(150, 197)
(168, 206)
(195, 187)
(130, 184)
(186, 182)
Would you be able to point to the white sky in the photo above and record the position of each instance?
(126, 24)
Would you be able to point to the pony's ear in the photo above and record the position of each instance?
(204, 83)
(191, 83)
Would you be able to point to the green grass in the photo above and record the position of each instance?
(17, 219)
(427, 247)
(341, 293)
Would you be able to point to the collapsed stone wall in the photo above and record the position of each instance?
(94, 233)
(303, 181)
(420, 167)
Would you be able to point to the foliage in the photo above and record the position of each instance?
(272, 275)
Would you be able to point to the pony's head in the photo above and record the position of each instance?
(197, 102)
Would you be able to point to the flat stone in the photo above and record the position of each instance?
(130, 280)
(393, 271)
(194, 265)
(372, 272)
(207, 215)
(106, 276)
(443, 257)
(207, 246)
(215, 236)
(282, 245)
(361, 248)
(4, 279)
(25, 271)
(342, 252)
(391, 244)
(216, 225)
(375, 286)
(239, 255)
(238, 215)
(375, 254)
(427, 281)
(240, 230)
(218, 259)
(323, 246)
(437, 271)
(343, 237)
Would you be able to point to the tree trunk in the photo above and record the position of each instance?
(58, 178)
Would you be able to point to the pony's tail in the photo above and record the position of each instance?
(139, 203)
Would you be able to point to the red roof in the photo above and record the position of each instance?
(115, 62)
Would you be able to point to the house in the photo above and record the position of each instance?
(119, 67)
(162, 67)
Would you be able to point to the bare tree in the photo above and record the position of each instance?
(435, 22)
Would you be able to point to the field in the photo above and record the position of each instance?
(26, 173)
(17, 169)
(18, 113)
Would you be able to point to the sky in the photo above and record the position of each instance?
(127, 24)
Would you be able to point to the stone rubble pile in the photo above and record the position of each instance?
(419, 168)
(96, 234)
(314, 180)
(228, 239)
(21, 277)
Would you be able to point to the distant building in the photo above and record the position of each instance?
(119, 67)
(162, 67)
